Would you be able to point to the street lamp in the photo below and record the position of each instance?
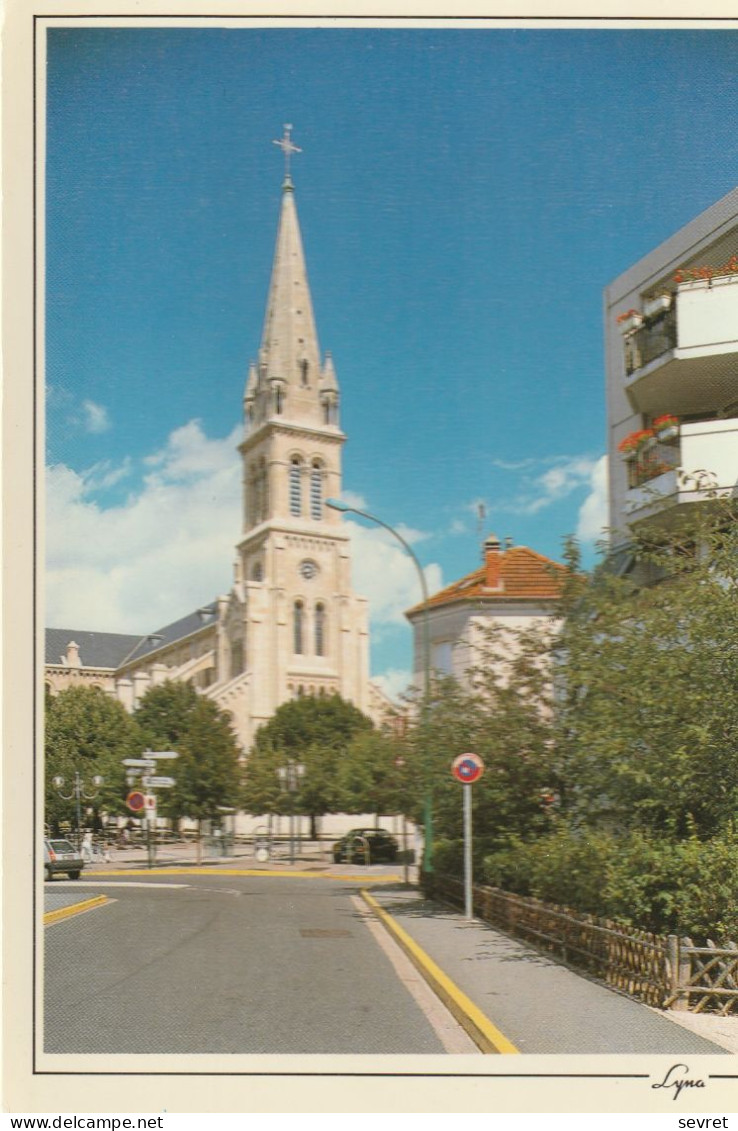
(339, 505)
(289, 776)
(78, 792)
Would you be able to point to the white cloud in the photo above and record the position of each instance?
(394, 682)
(135, 566)
(384, 572)
(95, 418)
(558, 477)
(593, 513)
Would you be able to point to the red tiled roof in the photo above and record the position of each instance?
(524, 576)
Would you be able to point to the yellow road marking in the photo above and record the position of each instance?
(74, 909)
(485, 1035)
(197, 871)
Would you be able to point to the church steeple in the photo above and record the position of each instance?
(291, 381)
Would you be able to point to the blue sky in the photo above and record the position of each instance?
(464, 197)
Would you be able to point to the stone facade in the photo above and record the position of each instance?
(291, 624)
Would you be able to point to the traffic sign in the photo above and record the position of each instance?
(467, 768)
(136, 801)
(162, 754)
(151, 802)
(144, 763)
(157, 783)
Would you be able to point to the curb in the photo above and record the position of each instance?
(197, 870)
(74, 909)
(486, 1036)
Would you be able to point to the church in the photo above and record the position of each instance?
(291, 624)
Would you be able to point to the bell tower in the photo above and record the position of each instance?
(303, 630)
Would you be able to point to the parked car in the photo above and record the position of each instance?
(366, 846)
(62, 856)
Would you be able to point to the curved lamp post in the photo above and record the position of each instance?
(338, 505)
(78, 792)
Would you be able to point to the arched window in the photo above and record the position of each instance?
(298, 624)
(304, 370)
(278, 399)
(320, 630)
(262, 491)
(316, 490)
(251, 499)
(296, 486)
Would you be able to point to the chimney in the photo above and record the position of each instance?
(72, 657)
(493, 562)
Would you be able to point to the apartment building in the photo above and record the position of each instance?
(671, 340)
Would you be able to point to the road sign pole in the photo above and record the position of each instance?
(468, 903)
(467, 768)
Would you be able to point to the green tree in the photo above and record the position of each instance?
(87, 732)
(503, 713)
(371, 775)
(647, 720)
(312, 731)
(173, 716)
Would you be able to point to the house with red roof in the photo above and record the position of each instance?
(515, 589)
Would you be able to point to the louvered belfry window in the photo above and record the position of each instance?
(316, 491)
(296, 487)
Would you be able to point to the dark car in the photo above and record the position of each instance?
(365, 846)
(62, 856)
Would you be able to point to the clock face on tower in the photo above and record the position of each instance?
(308, 569)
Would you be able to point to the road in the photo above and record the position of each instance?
(230, 964)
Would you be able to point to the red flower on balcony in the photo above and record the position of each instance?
(635, 440)
(628, 314)
(688, 274)
(665, 421)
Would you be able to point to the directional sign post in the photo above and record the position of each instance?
(145, 803)
(467, 769)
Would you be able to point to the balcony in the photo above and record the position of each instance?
(703, 463)
(686, 357)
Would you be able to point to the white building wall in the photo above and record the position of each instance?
(711, 237)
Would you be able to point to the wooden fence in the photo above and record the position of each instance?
(662, 970)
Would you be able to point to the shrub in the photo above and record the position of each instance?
(666, 886)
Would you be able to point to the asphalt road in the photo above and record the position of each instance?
(225, 964)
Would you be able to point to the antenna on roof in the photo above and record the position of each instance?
(481, 516)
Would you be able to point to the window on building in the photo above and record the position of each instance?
(442, 658)
(320, 630)
(278, 399)
(316, 490)
(296, 486)
(298, 626)
(262, 491)
(236, 658)
(304, 370)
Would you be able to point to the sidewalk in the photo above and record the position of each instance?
(310, 856)
(539, 1005)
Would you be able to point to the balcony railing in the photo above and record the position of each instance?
(652, 461)
(700, 464)
(654, 338)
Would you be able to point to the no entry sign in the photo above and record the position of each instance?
(467, 768)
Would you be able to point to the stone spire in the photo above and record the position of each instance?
(290, 381)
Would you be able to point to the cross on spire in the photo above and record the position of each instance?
(285, 144)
